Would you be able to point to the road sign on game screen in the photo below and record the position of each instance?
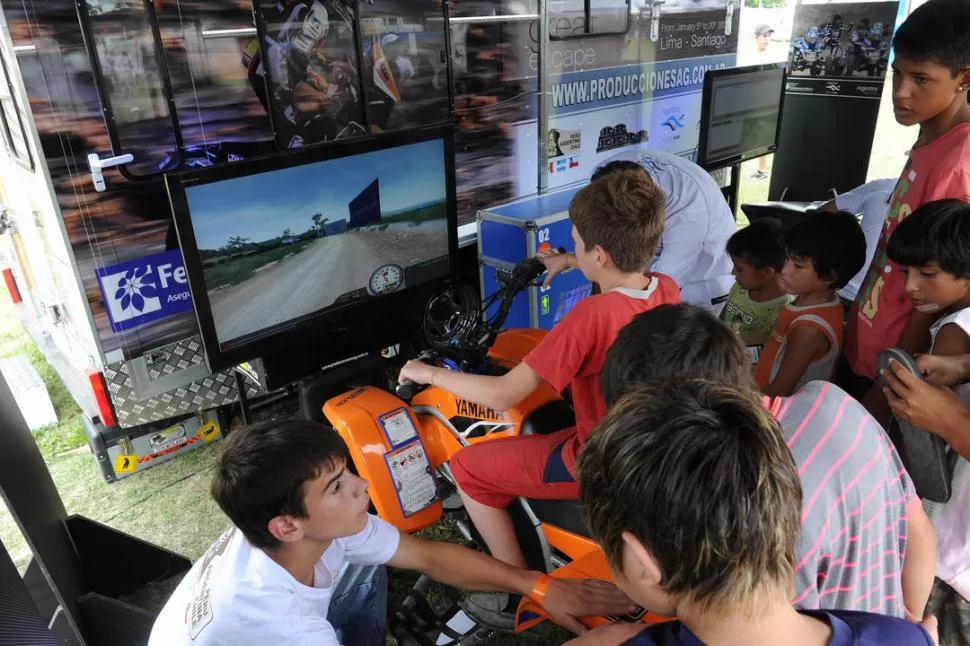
(282, 245)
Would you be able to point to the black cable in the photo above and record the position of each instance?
(158, 491)
(243, 399)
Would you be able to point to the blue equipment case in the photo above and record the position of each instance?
(510, 233)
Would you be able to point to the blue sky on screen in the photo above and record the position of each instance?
(260, 207)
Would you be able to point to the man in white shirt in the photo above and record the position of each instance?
(298, 517)
(697, 225)
(872, 201)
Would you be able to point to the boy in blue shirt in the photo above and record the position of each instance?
(694, 497)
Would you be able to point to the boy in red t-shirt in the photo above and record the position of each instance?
(931, 74)
(617, 222)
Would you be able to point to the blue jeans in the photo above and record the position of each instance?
(358, 607)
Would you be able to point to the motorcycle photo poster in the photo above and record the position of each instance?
(841, 49)
(319, 87)
(307, 58)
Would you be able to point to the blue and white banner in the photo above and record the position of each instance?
(654, 105)
(602, 88)
(147, 289)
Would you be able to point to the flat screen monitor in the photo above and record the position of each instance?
(310, 246)
(740, 114)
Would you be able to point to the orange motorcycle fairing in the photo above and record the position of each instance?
(591, 566)
(571, 545)
(511, 346)
(475, 423)
(387, 446)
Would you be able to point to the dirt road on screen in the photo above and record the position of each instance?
(314, 278)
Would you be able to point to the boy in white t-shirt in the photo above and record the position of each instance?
(301, 563)
(932, 249)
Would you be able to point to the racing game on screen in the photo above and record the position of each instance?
(280, 246)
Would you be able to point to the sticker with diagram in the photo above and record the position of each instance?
(412, 477)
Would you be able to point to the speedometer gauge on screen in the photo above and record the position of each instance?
(386, 279)
(274, 246)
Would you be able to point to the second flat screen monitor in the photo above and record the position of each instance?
(741, 115)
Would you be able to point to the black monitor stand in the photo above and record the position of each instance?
(732, 190)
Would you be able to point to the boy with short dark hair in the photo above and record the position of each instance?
(857, 492)
(932, 250)
(824, 252)
(617, 222)
(758, 254)
(870, 201)
(719, 554)
(302, 561)
(931, 74)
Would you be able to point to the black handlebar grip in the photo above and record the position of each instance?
(534, 265)
(406, 390)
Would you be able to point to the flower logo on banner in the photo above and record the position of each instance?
(134, 287)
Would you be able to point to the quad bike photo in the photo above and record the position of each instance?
(811, 60)
(402, 443)
(835, 61)
(870, 58)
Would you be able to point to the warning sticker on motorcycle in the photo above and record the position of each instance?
(413, 479)
(398, 427)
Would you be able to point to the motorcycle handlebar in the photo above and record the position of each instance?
(406, 390)
(530, 268)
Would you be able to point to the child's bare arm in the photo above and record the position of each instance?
(950, 341)
(919, 563)
(945, 371)
(805, 345)
(500, 393)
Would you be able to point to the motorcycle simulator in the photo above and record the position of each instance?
(465, 338)
(299, 293)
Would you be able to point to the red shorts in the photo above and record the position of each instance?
(495, 473)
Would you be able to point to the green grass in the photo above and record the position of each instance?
(233, 272)
(68, 433)
(752, 190)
